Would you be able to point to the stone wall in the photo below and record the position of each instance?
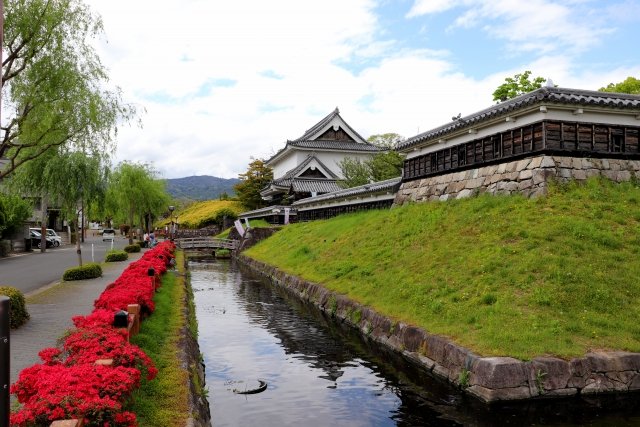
(528, 176)
(487, 378)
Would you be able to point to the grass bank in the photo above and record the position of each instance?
(163, 402)
(502, 275)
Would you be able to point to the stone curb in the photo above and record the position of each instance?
(490, 379)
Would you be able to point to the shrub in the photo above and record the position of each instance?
(19, 314)
(132, 248)
(87, 271)
(222, 253)
(116, 255)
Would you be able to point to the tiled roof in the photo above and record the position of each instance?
(300, 185)
(544, 95)
(336, 145)
(321, 124)
(390, 185)
(300, 168)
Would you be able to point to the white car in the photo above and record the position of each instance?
(108, 234)
(51, 235)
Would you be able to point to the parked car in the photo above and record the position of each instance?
(51, 234)
(108, 234)
(36, 239)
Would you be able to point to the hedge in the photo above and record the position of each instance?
(87, 271)
(132, 248)
(19, 314)
(116, 255)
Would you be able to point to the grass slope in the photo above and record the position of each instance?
(201, 214)
(502, 275)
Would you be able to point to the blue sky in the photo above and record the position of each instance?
(221, 82)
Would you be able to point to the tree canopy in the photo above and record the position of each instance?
(135, 191)
(383, 165)
(517, 85)
(13, 212)
(257, 177)
(629, 85)
(54, 88)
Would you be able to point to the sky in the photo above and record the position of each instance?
(217, 83)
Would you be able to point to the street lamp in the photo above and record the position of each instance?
(171, 208)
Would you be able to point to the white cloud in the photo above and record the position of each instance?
(225, 81)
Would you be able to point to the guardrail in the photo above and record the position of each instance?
(206, 243)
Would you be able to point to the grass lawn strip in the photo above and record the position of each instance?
(163, 402)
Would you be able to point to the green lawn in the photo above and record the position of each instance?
(502, 275)
(162, 402)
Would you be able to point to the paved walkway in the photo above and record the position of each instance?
(51, 311)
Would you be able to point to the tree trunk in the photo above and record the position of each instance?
(43, 224)
(131, 226)
(78, 248)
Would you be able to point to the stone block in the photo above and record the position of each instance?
(525, 174)
(563, 162)
(502, 168)
(547, 162)
(615, 164)
(623, 176)
(592, 172)
(464, 193)
(522, 164)
(576, 163)
(564, 173)
(499, 372)
(444, 197)
(535, 163)
(525, 185)
(587, 164)
(555, 373)
(412, 337)
(493, 395)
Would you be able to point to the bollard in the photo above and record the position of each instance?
(5, 360)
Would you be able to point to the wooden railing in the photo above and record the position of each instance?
(206, 243)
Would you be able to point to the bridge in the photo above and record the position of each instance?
(206, 243)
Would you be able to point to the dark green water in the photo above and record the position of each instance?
(320, 373)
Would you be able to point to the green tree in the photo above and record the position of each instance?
(134, 190)
(354, 171)
(71, 180)
(14, 211)
(629, 85)
(386, 140)
(256, 178)
(384, 166)
(54, 88)
(516, 86)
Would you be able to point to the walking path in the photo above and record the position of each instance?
(51, 311)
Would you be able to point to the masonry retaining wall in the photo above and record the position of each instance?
(489, 379)
(528, 176)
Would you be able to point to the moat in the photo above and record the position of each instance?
(320, 373)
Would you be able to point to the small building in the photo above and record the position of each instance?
(518, 145)
(309, 165)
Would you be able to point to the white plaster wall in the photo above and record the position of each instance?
(525, 118)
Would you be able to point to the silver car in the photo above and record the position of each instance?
(108, 234)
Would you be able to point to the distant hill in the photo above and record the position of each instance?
(203, 187)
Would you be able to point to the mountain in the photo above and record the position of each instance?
(203, 187)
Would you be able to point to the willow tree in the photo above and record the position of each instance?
(55, 91)
(69, 179)
(134, 190)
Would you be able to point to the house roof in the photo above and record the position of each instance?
(318, 185)
(310, 185)
(544, 95)
(309, 133)
(390, 185)
(309, 141)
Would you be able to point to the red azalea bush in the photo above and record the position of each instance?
(69, 384)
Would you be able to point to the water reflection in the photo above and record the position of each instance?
(320, 373)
